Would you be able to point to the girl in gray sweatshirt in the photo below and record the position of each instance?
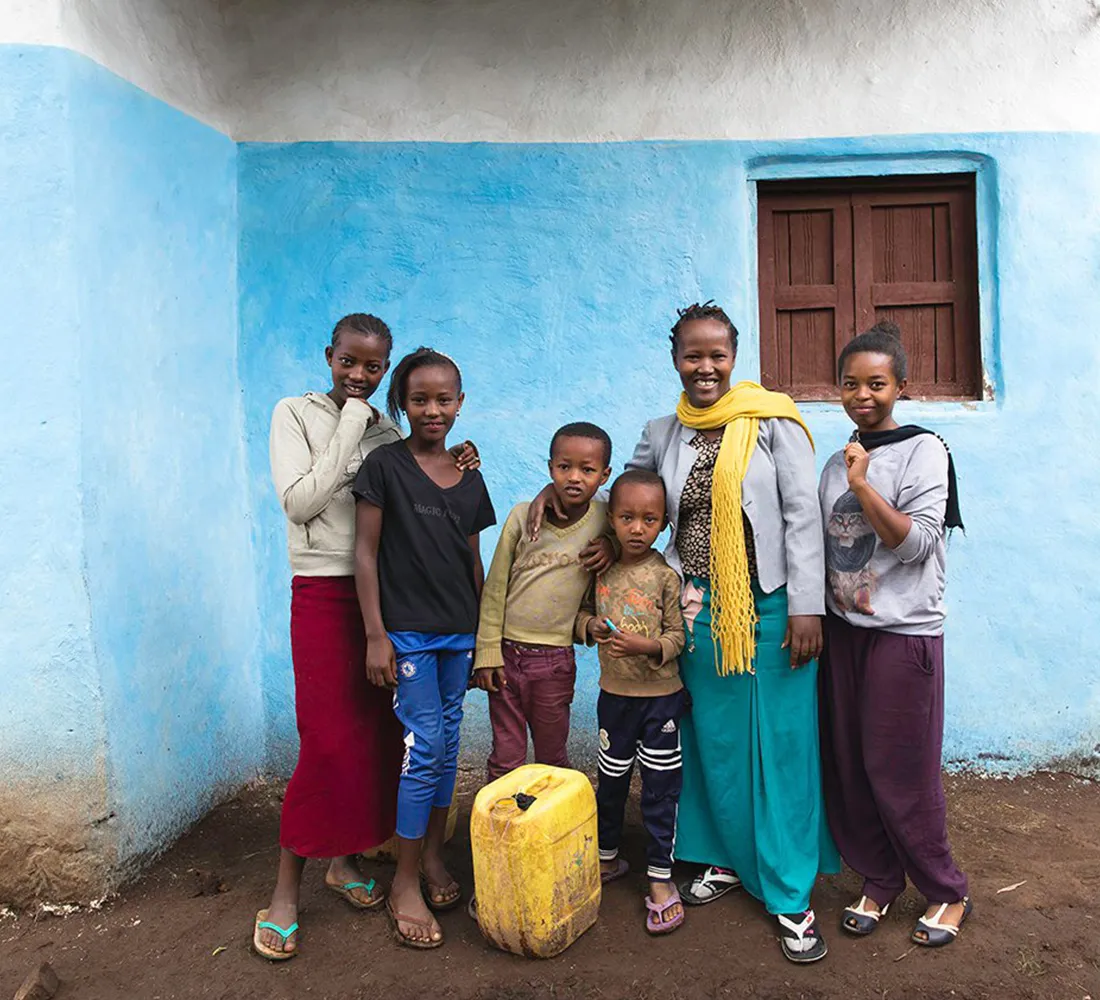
(887, 500)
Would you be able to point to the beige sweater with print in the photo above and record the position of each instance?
(316, 450)
(533, 589)
(642, 598)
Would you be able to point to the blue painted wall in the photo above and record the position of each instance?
(551, 272)
(168, 548)
(128, 619)
(154, 275)
(51, 715)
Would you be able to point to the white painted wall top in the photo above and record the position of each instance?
(173, 49)
(575, 70)
(529, 70)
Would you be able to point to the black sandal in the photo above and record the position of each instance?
(451, 895)
(936, 935)
(801, 942)
(860, 921)
(710, 884)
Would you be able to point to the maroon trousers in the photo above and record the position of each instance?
(342, 797)
(881, 743)
(538, 695)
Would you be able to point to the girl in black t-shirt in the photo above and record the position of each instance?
(341, 800)
(418, 573)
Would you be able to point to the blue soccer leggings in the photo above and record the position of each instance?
(432, 674)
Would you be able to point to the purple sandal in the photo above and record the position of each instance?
(619, 871)
(655, 921)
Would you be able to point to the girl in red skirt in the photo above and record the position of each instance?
(342, 797)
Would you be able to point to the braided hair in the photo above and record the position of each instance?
(365, 324)
(883, 338)
(706, 310)
(422, 357)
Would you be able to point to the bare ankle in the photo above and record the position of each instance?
(404, 883)
(659, 891)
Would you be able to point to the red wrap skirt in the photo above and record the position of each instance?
(342, 797)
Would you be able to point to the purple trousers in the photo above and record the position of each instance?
(537, 696)
(881, 743)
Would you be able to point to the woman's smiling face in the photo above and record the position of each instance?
(869, 389)
(704, 357)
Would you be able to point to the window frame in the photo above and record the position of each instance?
(903, 166)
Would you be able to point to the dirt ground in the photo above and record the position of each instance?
(158, 940)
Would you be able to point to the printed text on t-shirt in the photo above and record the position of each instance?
(427, 511)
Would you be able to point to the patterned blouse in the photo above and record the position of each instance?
(693, 530)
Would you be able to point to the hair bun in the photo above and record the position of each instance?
(889, 328)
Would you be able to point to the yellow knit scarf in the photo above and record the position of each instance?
(733, 611)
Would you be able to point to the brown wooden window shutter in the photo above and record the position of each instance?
(836, 256)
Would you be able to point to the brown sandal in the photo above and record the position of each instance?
(452, 894)
(408, 942)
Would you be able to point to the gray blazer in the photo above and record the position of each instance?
(778, 495)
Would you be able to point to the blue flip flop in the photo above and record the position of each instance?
(344, 891)
(262, 923)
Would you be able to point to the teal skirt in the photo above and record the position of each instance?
(752, 797)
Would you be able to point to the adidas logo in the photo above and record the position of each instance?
(669, 727)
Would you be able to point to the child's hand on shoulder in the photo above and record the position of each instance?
(466, 456)
(490, 679)
(598, 555)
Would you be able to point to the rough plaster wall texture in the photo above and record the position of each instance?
(526, 70)
(552, 273)
(131, 695)
(519, 261)
(53, 785)
(169, 557)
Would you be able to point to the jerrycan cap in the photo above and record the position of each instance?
(524, 801)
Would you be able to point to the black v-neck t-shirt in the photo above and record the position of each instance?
(425, 563)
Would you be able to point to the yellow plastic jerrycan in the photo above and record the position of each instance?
(536, 860)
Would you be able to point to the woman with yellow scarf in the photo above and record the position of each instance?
(738, 467)
(746, 539)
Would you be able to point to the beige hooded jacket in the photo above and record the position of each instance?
(316, 450)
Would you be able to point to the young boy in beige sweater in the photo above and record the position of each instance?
(524, 657)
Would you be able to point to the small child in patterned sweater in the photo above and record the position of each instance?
(633, 612)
